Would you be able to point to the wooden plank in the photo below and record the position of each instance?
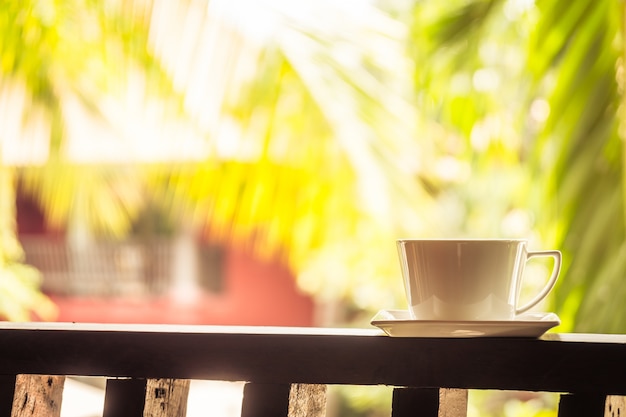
(7, 391)
(425, 402)
(124, 397)
(557, 363)
(307, 400)
(38, 396)
(452, 402)
(265, 400)
(615, 406)
(582, 405)
(415, 402)
(166, 398)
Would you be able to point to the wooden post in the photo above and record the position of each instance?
(452, 402)
(166, 398)
(38, 396)
(265, 400)
(615, 406)
(137, 397)
(124, 397)
(429, 402)
(307, 400)
(7, 392)
(415, 402)
(283, 400)
(582, 405)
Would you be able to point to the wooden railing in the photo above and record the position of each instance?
(107, 268)
(101, 268)
(286, 370)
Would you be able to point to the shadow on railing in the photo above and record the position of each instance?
(286, 370)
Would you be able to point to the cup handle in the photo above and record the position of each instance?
(550, 284)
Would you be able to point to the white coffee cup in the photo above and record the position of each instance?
(468, 279)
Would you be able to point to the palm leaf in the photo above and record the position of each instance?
(316, 136)
(573, 159)
(584, 189)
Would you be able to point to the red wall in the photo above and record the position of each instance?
(255, 293)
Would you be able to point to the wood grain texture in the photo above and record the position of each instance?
(615, 406)
(426, 402)
(166, 398)
(38, 396)
(307, 400)
(452, 402)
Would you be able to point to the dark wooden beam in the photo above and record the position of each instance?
(557, 363)
(125, 397)
(7, 391)
(265, 400)
(582, 405)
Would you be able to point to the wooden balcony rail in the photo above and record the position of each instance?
(286, 370)
(106, 268)
(101, 268)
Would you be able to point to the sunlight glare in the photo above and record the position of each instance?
(517, 222)
(540, 110)
(480, 136)
(25, 128)
(452, 169)
(513, 9)
(486, 79)
(461, 83)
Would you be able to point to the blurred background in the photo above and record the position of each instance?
(252, 162)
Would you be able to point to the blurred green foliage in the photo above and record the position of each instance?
(326, 139)
(553, 111)
(324, 131)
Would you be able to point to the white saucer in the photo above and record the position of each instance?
(398, 323)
